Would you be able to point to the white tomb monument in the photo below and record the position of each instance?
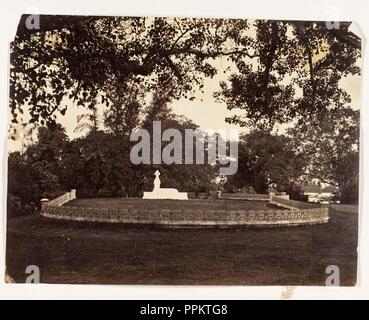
(164, 193)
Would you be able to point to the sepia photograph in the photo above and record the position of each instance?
(148, 150)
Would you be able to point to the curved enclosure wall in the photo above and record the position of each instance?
(302, 213)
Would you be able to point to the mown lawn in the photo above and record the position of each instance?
(173, 204)
(113, 254)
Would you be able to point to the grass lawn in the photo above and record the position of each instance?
(173, 204)
(69, 252)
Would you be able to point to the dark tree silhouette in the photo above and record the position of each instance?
(90, 59)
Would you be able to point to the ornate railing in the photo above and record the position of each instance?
(299, 214)
(292, 204)
(59, 201)
(188, 216)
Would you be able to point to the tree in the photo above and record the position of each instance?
(267, 160)
(98, 164)
(294, 71)
(284, 71)
(88, 121)
(125, 111)
(184, 177)
(44, 160)
(36, 173)
(83, 58)
(331, 146)
(22, 189)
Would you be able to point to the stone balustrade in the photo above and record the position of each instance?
(190, 217)
(59, 201)
(285, 202)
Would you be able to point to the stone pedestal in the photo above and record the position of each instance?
(164, 193)
(44, 202)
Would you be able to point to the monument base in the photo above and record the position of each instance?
(165, 193)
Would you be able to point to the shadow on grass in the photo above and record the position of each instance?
(74, 252)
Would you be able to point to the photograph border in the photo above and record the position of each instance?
(313, 10)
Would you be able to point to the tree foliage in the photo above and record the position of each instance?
(294, 71)
(280, 71)
(266, 161)
(97, 165)
(36, 173)
(94, 59)
(331, 146)
(284, 68)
